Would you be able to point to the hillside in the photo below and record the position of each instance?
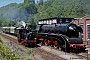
(31, 12)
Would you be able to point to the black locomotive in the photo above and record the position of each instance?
(64, 36)
(26, 37)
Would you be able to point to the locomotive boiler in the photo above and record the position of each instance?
(70, 30)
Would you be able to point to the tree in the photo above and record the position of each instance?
(41, 2)
(30, 7)
(26, 1)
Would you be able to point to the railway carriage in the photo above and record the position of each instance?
(9, 30)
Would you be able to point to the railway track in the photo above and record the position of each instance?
(47, 55)
(82, 55)
(44, 54)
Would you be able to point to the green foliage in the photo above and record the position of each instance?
(1, 41)
(30, 53)
(31, 12)
(29, 59)
(41, 2)
(30, 7)
(7, 54)
(64, 8)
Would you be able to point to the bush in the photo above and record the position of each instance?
(1, 41)
(7, 54)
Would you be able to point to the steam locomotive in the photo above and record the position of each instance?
(26, 37)
(63, 36)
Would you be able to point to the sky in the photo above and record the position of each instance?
(6, 2)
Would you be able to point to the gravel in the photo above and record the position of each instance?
(62, 54)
